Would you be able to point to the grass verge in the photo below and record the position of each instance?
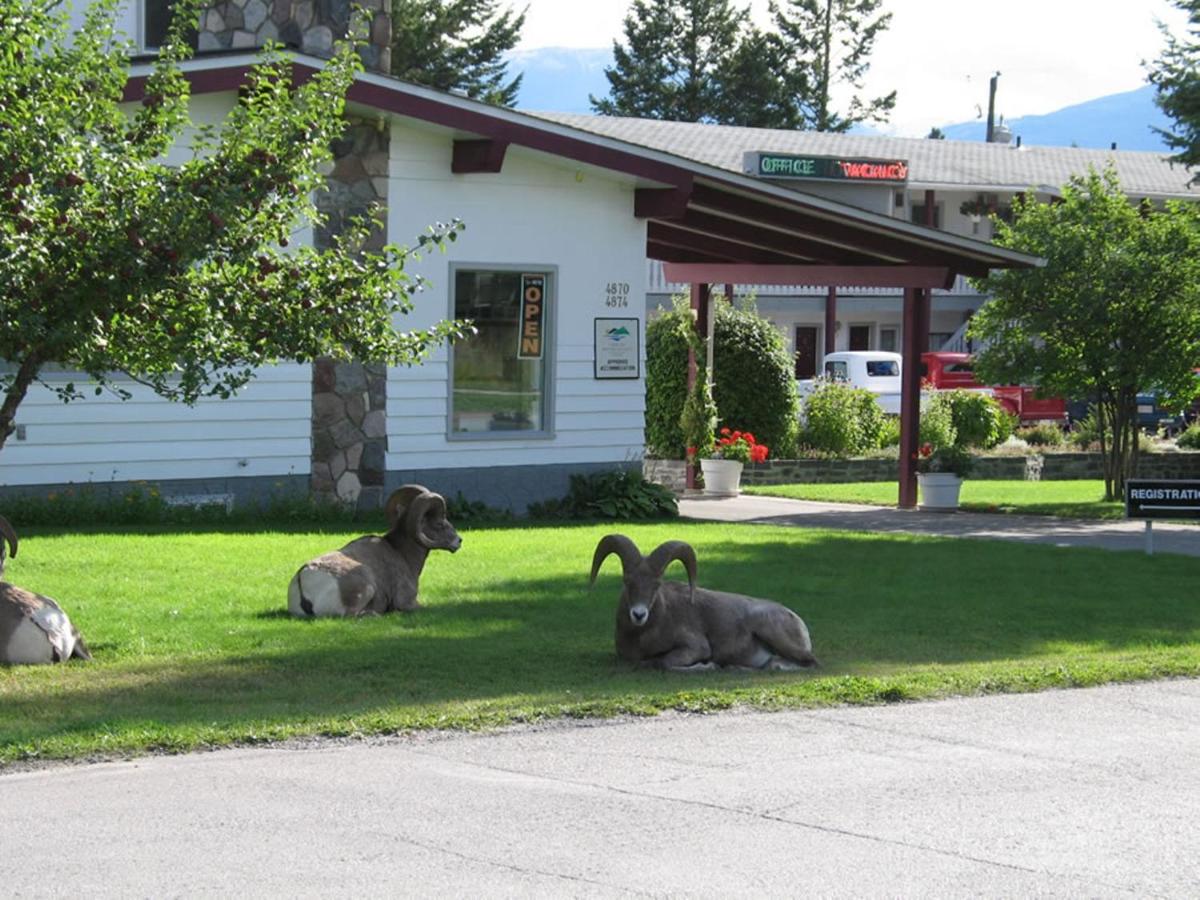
(193, 650)
(1070, 499)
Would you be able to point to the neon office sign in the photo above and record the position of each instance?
(824, 168)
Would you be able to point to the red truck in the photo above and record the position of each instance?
(944, 371)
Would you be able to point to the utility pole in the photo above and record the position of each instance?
(991, 123)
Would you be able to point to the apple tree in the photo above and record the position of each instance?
(179, 276)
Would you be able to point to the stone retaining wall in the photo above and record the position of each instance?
(1048, 467)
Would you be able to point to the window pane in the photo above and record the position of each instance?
(493, 389)
(887, 339)
(882, 368)
(156, 21)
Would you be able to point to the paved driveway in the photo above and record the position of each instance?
(1074, 794)
(1110, 535)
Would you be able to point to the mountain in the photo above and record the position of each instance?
(559, 79)
(1121, 118)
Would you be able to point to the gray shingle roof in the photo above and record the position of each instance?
(973, 165)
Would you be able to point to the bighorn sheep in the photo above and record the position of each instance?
(377, 573)
(664, 625)
(33, 629)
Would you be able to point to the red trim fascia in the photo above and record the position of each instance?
(496, 129)
(898, 276)
(202, 81)
(471, 121)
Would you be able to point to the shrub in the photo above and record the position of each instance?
(462, 511)
(143, 504)
(889, 434)
(698, 421)
(754, 377)
(1190, 439)
(1045, 435)
(1086, 431)
(619, 494)
(666, 383)
(979, 421)
(937, 424)
(754, 388)
(952, 460)
(842, 420)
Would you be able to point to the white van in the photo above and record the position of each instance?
(874, 370)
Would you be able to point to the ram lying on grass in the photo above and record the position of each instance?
(33, 629)
(665, 625)
(377, 573)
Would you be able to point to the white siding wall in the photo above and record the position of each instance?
(538, 212)
(264, 431)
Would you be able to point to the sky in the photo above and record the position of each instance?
(940, 54)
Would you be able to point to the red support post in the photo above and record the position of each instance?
(699, 306)
(910, 399)
(830, 319)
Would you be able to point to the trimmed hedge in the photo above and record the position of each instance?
(755, 388)
(666, 383)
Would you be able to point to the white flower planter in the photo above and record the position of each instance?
(722, 477)
(939, 490)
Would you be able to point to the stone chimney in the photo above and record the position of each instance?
(311, 26)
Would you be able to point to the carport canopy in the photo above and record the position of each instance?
(707, 233)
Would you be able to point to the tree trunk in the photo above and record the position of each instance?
(1117, 419)
(826, 78)
(16, 393)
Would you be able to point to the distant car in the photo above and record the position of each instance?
(1153, 417)
(874, 370)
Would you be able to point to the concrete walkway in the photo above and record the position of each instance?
(1109, 535)
(1088, 793)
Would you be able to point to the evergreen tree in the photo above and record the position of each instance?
(827, 43)
(752, 94)
(457, 45)
(674, 66)
(1177, 80)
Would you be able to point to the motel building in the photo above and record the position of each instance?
(564, 218)
(952, 186)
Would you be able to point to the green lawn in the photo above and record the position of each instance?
(192, 648)
(1075, 499)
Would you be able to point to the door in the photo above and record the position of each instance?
(806, 351)
(860, 337)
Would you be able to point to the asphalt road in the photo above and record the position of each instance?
(1088, 793)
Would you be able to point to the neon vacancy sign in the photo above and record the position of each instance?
(825, 168)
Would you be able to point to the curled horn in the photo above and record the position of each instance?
(418, 509)
(398, 502)
(626, 549)
(6, 530)
(664, 554)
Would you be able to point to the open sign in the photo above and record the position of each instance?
(533, 317)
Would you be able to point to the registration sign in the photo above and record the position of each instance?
(1159, 499)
